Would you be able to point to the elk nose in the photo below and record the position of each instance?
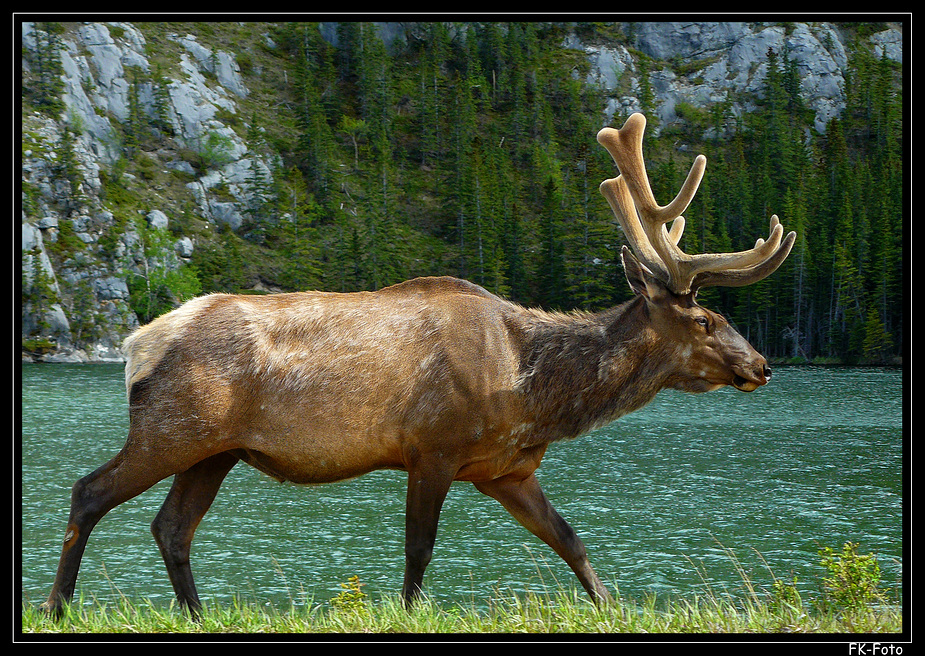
(767, 372)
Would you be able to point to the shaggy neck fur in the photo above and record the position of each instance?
(581, 371)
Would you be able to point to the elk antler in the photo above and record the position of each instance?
(643, 221)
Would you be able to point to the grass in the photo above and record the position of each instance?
(777, 610)
(562, 612)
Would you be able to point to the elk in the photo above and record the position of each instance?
(434, 376)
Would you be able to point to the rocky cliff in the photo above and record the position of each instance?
(720, 61)
(95, 237)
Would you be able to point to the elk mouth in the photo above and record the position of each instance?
(753, 381)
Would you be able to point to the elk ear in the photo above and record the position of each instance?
(641, 280)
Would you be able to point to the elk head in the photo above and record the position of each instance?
(707, 351)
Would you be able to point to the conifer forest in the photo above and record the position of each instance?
(469, 150)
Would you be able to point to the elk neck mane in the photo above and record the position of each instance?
(580, 371)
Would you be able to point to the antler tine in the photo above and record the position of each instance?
(677, 229)
(741, 259)
(760, 268)
(625, 147)
(621, 202)
(643, 221)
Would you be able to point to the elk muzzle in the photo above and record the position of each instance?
(748, 367)
(748, 379)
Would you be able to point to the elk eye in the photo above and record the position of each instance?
(703, 321)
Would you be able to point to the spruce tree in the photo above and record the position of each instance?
(48, 67)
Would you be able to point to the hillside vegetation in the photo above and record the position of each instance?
(469, 149)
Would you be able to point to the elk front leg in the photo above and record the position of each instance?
(428, 484)
(525, 500)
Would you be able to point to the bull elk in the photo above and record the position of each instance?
(435, 376)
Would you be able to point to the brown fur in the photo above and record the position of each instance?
(434, 376)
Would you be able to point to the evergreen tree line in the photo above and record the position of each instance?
(469, 150)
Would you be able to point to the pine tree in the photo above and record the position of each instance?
(384, 262)
(878, 344)
(349, 40)
(495, 200)
(374, 85)
(799, 330)
(551, 272)
(459, 196)
(493, 54)
(314, 149)
(470, 217)
(354, 128)
(383, 265)
(259, 200)
(433, 84)
(48, 67)
(512, 247)
(296, 236)
(69, 168)
(162, 100)
(38, 291)
(134, 129)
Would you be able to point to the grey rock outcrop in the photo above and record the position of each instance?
(721, 59)
(104, 69)
(79, 258)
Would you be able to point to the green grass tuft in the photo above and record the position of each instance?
(852, 602)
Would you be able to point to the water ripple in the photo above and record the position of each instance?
(657, 497)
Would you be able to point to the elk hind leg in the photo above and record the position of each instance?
(94, 495)
(190, 497)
